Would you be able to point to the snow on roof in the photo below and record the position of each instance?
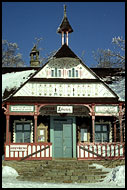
(15, 79)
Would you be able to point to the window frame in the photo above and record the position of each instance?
(101, 132)
(23, 130)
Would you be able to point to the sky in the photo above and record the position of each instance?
(94, 25)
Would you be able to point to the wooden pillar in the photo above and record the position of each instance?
(35, 123)
(7, 128)
(93, 123)
(114, 129)
(35, 128)
(93, 128)
(120, 122)
(121, 134)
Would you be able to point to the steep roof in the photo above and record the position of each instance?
(65, 51)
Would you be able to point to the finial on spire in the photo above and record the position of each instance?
(65, 11)
(65, 28)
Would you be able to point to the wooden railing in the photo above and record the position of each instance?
(98, 151)
(28, 151)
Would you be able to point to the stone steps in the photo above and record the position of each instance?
(57, 171)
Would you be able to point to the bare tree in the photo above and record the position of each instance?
(111, 58)
(10, 56)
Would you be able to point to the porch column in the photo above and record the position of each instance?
(120, 122)
(114, 129)
(93, 128)
(35, 128)
(93, 123)
(7, 128)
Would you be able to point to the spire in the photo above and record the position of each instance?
(65, 27)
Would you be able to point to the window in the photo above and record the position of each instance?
(55, 72)
(73, 72)
(76, 73)
(101, 133)
(59, 73)
(69, 73)
(23, 132)
(52, 73)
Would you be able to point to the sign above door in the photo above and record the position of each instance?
(64, 109)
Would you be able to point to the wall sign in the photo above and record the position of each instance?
(106, 109)
(18, 147)
(21, 108)
(64, 109)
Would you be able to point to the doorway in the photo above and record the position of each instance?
(63, 137)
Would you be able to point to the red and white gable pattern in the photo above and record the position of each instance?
(57, 89)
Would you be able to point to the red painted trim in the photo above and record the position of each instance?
(104, 144)
(30, 158)
(21, 113)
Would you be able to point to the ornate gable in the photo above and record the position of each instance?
(65, 77)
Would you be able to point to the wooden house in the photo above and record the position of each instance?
(64, 110)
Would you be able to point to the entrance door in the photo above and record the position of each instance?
(62, 138)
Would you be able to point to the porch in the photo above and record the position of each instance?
(78, 134)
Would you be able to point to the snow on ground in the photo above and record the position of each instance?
(15, 79)
(115, 179)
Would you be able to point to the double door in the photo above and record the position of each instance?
(63, 138)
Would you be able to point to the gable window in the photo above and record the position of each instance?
(52, 73)
(76, 73)
(101, 133)
(59, 73)
(55, 72)
(73, 72)
(22, 132)
(69, 73)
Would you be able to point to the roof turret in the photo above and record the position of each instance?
(65, 25)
